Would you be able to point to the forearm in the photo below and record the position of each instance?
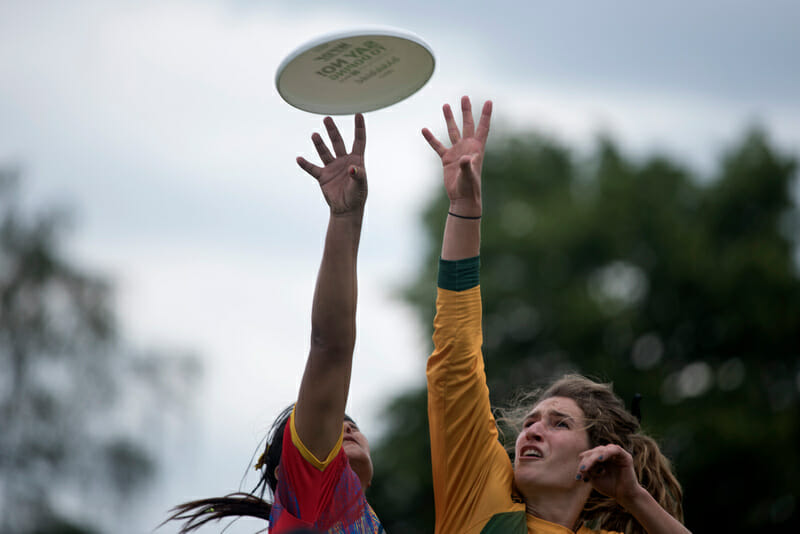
(326, 380)
(333, 312)
(462, 236)
(655, 520)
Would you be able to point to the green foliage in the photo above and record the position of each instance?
(402, 478)
(64, 456)
(679, 287)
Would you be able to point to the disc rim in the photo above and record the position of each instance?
(367, 31)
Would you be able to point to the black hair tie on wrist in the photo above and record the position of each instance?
(462, 216)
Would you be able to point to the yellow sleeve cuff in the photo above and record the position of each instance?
(308, 455)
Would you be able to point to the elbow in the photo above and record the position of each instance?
(334, 346)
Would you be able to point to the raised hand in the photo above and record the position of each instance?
(462, 162)
(343, 178)
(322, 397)
(609, 468)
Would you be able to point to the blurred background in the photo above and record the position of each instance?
(159, 246)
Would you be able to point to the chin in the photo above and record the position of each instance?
(526, 480)
(355, 453)
(351, 448)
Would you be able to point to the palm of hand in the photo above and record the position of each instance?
(456, 183)
(343, 192)
(342, 177)
(462, 162)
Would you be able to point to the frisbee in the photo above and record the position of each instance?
(355, 71)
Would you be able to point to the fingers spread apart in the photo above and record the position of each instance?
(435, 143)
(309, 167)
(468, 130)
(359, 145)
(452, 127)
(360, 135)
(466, 117)
(336, 138)
(322, 149)
(483, 124)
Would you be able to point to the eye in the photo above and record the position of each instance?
(562, 423)
(527, 423)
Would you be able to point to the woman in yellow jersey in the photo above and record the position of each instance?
(580, 461)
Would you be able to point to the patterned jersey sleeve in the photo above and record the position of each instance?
(324, 495)
(305, 483)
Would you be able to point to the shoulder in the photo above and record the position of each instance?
(294, 443)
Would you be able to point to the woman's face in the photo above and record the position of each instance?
(356, 447)
(548, 448)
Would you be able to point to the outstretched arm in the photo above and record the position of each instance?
(609, 468)
(470, 479)
(462, 165)
(319, 412)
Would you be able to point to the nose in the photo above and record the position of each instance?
(535, 431)
(348, 428)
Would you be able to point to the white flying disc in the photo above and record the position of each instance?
(355, 71)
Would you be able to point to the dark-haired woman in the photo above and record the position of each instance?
(317, 462)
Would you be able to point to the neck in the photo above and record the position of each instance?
(562, 508)
(362, 471)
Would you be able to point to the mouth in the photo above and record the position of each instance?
(530, 453)
(351, 440)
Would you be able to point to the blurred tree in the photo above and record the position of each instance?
(682, 288)
(64, 452)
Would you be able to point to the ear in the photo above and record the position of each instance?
(277, 473)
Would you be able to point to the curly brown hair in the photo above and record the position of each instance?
(609, 422)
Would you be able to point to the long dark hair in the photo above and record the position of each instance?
(195, 514)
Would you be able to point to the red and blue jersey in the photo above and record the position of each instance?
(323, 495)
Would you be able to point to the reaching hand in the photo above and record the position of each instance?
(343, 179)
(462, 162)
(609, 469)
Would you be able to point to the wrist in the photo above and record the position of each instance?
(354, 218)
(351, 213)
(634, 499)
(469, 209)
(465, 217)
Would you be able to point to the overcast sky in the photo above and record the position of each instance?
(158, 123)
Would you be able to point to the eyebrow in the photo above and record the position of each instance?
(551, 412)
